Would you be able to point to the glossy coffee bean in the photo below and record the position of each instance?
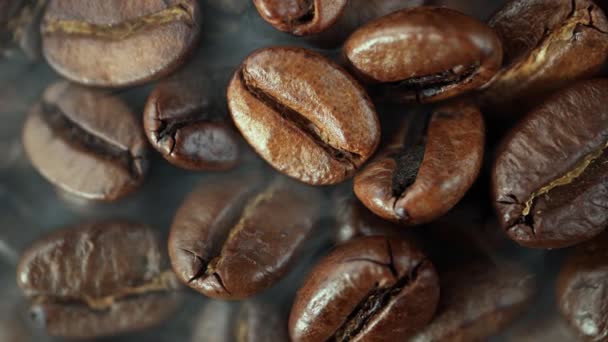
(183, 123)
(303, 114)
(478, 300)
(425, 171)
(237, 235)
(310, 17)
(98, 279)
(369, 289)
(131, 42)
(582, 289)
(550, 180)
(250, 321)
(544, 41)
(86, 142)
(424, 54)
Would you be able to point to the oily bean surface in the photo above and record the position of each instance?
(86, 142)
(236, 236)
(424, 54)
(303, 114)
(414, 182)
(543, 42)
(131, 42)
(550, 180)
(369, 289)
(182, 122)
(97, 279)
(582, 289)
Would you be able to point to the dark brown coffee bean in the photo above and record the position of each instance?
(550, 180)
(337, 18)
(303, 114)
(582, 289)
(251, 321)
(131, 42)
(369, 289)
(424, 54)
(86, 142)
(426, 171)
(544, 41)
(182, 122)
(236, 235)
(97, 279)
(480, 9)
(19, 26)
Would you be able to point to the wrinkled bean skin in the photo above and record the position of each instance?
(549, 180)
(86, 142)
(303, 114)
(98, 279)
(330, 303)
(132, 42)
(251, 321)
(543, 42)
(232, 238)
(182, 123)
(582, 289)
(451, 162)
(424, 54)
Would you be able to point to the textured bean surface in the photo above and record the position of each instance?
(550, 180)
(303, 114)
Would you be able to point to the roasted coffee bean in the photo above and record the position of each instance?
(98, 279)
(131, 42)
(480, 9)
(310, 17)
(478, 300)
(424, 54)
(251, 321)
(303, 114)
(426, 171)
(19, 26)
(582, 289)
(369, 289)
(543, 42)
(237, 235)
(183, 123)
(86, 142)
(550, 178)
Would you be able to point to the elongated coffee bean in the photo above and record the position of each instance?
(582, 289)
(182, 122)
(424, 54)
(86, 142)
(236, 235)
(543, 42)
(426, 171)
(131, 42)
(98, 279)
(303, 114)
(369, 289)
(550, 180)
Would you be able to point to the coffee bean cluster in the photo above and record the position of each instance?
(304, 170)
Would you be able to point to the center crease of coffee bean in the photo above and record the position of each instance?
(177, 13)
(302, 123)
(168, 128)
(75, 133)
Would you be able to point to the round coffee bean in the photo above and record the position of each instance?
(86, 142)
(426, 171)
(130, 42)
(368, 289)
(98, 279)
(543, 42)
(237, 235)
(303, 114)
(182, 122)
(550, 180)
(251, 321)
(424, 54)
(582, 289)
